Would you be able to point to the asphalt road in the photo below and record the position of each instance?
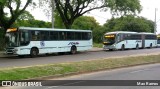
(145, 72)
(27, 61)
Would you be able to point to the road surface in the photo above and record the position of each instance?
(21, 62)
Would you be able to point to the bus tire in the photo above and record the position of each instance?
(34, 52)
(21, 56)
(73, 50)
(150, 46)
(137, 46)
(122, 47)
(61, 53)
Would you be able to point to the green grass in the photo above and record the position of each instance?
(99, 45)
(62, 69)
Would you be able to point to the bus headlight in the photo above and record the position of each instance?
(15, 50)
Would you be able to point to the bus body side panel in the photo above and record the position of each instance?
(119, 45)
(24, 50)
(149, 42)
(58, 46)
(129, 44)
(84, 45)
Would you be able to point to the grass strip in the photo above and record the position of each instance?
(61, 69)
(98, 45)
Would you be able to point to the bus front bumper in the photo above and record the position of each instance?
(11, 51)
(106, 47)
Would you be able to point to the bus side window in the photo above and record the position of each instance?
(35, 35)
(44, 35)
(89, 35)
(24, 38)
(118, 38)
(53, 35)
(78, 36)
(62, 36)
(70, 35)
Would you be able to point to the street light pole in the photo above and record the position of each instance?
(53, 5)
(155, 25)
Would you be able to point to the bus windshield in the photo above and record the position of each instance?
(15, 39)
(109, 39)
(12, 39)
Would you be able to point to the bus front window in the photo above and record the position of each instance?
(109, 39)
(24, 38)
(12, 39)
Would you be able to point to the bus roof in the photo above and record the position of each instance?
(116, 32)
(147, 33)
(52, 29)
(127, 32)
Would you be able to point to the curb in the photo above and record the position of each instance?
(95, 49)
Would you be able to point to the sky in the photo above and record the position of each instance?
(101, 17)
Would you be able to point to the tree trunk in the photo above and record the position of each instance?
(68, 25)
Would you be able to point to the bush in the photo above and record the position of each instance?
(1, 40)
(98, 34)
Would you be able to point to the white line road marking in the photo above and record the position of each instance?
(51, 87)
(139, 71)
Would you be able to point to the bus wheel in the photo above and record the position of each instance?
(61, 53)
(73, 50)
(150, 45)
(123, 47)
(137, 46)
(21, 56)
(34, 52)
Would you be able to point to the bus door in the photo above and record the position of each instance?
(143, 41)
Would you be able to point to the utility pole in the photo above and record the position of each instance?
(53, 7)
(155, 21)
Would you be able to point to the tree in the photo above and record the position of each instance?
(70, 10)
(85, 23)
(129, 23)
(15, 10)
(58, 23)
(98, 33)
(33, 23)
(25, 16)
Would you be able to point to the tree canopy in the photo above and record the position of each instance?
(129, 23)
(25, 16)
(10, 10)
(27, 20)
(85, 23)
(70, 10)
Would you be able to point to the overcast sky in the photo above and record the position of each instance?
(101, 17)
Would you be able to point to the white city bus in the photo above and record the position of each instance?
(33, 41)
(128, 40)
